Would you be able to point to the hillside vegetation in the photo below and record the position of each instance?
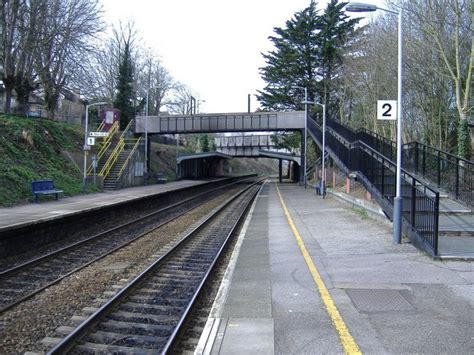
(33, 149)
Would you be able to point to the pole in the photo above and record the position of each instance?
(398, 202)
(146, 135)
(84, 177)
(248, 103)
(177, 154)
(323, 178)
(305, 135)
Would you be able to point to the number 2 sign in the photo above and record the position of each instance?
(387, 109)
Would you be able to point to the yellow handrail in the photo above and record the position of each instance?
(105, 145)
(128, 158)
(114, 129)
(127, 128)
(101, 126)
(104, 172)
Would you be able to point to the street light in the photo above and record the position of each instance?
(305, 130)
(199, 101)
(146, 132)
(87, 146)
(397, 205)
(323, 158)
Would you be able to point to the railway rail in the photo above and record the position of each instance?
(21, 282)
(146, 316)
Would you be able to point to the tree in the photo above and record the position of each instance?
(293, 62)
(437, 65)
(336, 33)
(181, 101)
(448, 26)
(18, 32)
(204, 143)
(124, 100)
(66, 32)
(308, 53)
(157, 79)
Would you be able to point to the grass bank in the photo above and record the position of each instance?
(33, 149)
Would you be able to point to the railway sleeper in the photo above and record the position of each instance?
(140, 341)
(135, 328)
(151, 309)
(143, 318)
(91, 348)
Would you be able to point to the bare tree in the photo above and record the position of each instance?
(157, 80)
(18, 39)
(181, 101)
(65, 37)
(437, 75)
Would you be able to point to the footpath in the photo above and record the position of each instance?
(313, 276)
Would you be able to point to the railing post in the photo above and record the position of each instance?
(416, 157)
(439, 168)
(424, 160)
(436, 217)
(457, 177)
(413, 204)
(382, 185)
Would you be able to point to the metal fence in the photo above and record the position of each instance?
(377, 172)
(420, 202)
(447, 171)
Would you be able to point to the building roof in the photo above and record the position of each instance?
(203, 155)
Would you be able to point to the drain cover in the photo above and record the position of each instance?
(376, 300)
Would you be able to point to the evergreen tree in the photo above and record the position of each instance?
(293, 62)
(335, 33)
(204, 142)
(124, 99)
(308, 53)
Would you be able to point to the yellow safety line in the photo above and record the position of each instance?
(348, 343)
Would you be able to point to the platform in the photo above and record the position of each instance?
(390, 298)
(48, 210)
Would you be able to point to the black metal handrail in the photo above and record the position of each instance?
(447, 171)
(420, 202)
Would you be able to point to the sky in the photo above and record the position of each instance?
(213, 46)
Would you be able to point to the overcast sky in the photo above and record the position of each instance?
(213, 46)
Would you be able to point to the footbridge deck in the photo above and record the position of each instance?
(221, 122)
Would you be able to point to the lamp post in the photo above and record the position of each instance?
(305, 131)
(146, 135)
(146, 132)
(323, 158)
(398, 203)
(199, 101)
(87, 146)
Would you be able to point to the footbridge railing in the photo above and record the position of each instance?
(377, 173)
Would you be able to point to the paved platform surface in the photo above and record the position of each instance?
(393, 299)
(48, 210)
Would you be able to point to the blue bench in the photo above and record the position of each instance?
(44, 187)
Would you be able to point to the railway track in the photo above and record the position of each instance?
(146, 316)
(23, 281)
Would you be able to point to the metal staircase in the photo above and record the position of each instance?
(354, 153)
(121, 158)
(114, 155)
